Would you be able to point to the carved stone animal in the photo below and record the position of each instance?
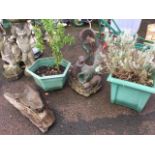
(22, 33)
(30, 98)
(31, 106)
(87, 69)
(11, 56)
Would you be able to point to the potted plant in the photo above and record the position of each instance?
(131, 71)
(51, 73)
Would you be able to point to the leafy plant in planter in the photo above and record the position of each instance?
(39, 38)
(131, 71)
(51, 73)
(57, 39)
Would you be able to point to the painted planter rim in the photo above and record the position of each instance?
(131, 84)
(51, 76)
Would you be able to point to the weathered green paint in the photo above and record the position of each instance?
(53, 82)
(130, 94)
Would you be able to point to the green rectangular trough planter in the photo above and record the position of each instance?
(53, 82)
(130, 94)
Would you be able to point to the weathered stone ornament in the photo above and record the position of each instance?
(85, 76)
(16, 48)
(31, 106)
(11, 56)
(22, 33)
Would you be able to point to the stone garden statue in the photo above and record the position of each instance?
(86, 76)
(16, 46)
(22, 33)
(11, 56)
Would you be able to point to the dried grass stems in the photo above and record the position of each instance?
(125, 62)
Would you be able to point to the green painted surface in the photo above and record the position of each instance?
(49, 83)
(129, 94)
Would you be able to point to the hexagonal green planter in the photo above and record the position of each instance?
(53, 82)
(130, 94)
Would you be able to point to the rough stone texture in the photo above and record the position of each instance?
(76, 114)
(79, 88)
(29, 103)
(11, 57)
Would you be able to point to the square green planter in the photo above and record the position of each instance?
(53, 82)
(130, 94)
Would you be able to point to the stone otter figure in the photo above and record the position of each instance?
(86, 76)
(22, 33)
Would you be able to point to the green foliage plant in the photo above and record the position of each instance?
(39, 38)
(57, 39)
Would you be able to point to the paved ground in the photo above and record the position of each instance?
(76, 114)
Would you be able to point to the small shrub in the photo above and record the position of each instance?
(57, 38)
(125, 62)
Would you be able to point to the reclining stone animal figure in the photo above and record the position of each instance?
(30, 104)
